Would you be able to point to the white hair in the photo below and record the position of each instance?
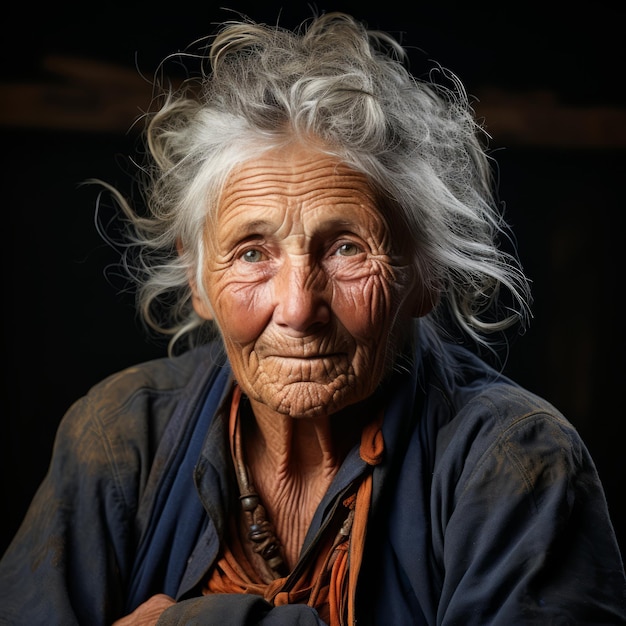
(346, 88)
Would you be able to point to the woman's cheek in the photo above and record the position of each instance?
(243, 311)
(363, 306)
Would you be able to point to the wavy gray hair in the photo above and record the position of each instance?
(347, 88)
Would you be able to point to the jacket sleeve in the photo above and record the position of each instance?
(524, 532)
(237, 610)
(66, 563)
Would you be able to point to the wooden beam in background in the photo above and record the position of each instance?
(92, 96)
(538, 119)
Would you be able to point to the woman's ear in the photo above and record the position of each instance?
(198, 300)
(200, 304)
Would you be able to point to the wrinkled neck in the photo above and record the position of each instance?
(292, 462)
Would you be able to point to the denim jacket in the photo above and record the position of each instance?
(486, 509)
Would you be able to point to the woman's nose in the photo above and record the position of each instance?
(300, 299)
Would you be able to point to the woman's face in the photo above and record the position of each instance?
(300, 282)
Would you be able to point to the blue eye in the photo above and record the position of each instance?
(252, 256)
(348, 249)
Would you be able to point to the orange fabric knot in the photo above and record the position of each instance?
(372, 442)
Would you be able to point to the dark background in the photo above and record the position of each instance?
(547, 79)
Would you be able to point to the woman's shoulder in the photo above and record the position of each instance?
(163, 376)
(485, 410)
(138, 401)
(504, 434)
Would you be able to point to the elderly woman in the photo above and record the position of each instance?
(324, 450)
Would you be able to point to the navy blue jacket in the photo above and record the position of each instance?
(487, 508)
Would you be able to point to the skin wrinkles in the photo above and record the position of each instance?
(300, 281)
(311, 314)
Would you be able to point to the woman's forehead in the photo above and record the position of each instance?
(294, 164)
(295, 176)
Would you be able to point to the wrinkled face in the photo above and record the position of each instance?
(300, 282)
